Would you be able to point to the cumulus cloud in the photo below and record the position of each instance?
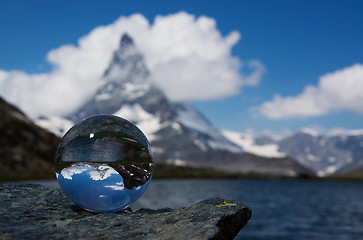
(187, 56)
(118, 187)
(337, 91)
(258, 70)
(102, 173)
(68, 173)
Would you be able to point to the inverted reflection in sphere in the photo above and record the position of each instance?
(104, 163)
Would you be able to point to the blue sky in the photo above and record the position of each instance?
(296, 41)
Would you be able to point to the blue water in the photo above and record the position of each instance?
(281, 209)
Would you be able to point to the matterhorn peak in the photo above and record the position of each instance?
(126, 41)
(173, 127)
(125, 80)
(127, 64)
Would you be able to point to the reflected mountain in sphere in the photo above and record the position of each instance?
(104, 163)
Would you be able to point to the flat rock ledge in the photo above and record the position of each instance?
(32, 211)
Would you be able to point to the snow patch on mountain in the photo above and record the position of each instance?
(136, 90)
(344, 132)
(312, 158)
(57, 125)
(103, 96)
(327, 171)
(309, 131)
(148, 123)
(200, 144)
(192, 119)
(247, 142)
(176, 126)
(177, 162)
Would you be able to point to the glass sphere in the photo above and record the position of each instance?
(104, 163)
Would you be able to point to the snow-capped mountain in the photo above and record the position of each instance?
(266, 147)
(325, 154)
(128, 92)
(178, 133)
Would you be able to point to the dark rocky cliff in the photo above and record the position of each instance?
(26, 150)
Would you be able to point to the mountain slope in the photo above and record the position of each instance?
(27, 151)
(262, 146)
(325, 154)
(357, 165)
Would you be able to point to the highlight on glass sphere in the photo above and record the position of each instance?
(104, 163)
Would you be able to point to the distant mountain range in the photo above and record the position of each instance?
(325, 154)
(181, 135)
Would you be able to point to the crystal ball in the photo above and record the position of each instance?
(104, 163)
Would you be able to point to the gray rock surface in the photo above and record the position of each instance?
(31, 211)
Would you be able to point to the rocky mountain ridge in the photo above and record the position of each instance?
(26, 150)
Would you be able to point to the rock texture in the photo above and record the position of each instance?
(38, 212)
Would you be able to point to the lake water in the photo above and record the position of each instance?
(281, 209)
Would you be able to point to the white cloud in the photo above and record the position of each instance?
(337, 91)
(188, 56)
(102, 175)
(118, 187)
(258, 70)
(76, 73)
(68, 173)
